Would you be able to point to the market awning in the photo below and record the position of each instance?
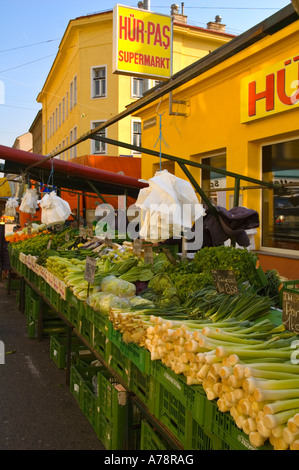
(68, 175)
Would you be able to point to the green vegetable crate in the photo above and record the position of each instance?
(192, 397)
(112, 415)
(222, 425)
(58, 350)
(118, 361)
(150, 438)
(139, 356)
(143, 386)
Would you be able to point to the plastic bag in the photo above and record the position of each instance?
(119, 287)
(102, 302)
(168, 206)
(11, 206)
(54, 209)
(29, 202)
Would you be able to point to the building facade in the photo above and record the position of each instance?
(81, 91)
(242, 116)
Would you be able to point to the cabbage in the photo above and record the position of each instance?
(119, 287)
(103, 302)
(136, 301)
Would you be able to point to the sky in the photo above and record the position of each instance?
(30, 33)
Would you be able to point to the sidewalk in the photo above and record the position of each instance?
(37, 409)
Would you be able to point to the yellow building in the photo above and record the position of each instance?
(241, 114)
(81, 91)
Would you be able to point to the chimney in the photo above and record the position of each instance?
(177, 16)
(216, 25)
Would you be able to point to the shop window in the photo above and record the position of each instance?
(99, 86)
(212, 182)
(280, 207)
(97, 147)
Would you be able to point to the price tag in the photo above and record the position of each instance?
(49, 244)
(225, 282)
(137, 246)
(29, 230)
(290, 312)
(148, 255)
(67, 237)
(89, 230)
(82, 231)
(90, 269)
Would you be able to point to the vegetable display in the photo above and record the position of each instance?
(225, 344)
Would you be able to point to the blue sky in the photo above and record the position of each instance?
(30, 33)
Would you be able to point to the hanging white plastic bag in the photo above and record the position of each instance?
(168, 206)
(11, 207)
(54, 209)
(29, 202)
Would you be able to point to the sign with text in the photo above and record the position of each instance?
(272, 90)
(290, 312)
(225, 282)
(90, 269)
(142, 43)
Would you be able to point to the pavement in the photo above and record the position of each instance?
(37, 409)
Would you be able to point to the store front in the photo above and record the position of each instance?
(242, 116)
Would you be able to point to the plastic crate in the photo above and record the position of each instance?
(223, 426)
(99, 342)
(32, 306)
(99, 321)
(118, 361)
(74, 316)
(143, 386)
(86, 329)
(192, 397)
(112, 399)
(139, 356)
(173, 414)
(112, 415)
(89, 402)
(79, 374)
(150, 438)
(202, 440)
(58, 350)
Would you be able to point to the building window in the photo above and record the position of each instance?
(63, 109)
(67, 104)
(97, 147)
(137, 87)
(73, 138)
(71, 95)
(280, 207)
(56, 119)
(73, 92)
(136, 137)
(48, 130)
(59, 114)
(211, 180)
(98, 82)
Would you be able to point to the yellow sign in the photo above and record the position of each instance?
(270, 91)
(142, 43)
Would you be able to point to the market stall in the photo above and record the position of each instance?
(194, 354)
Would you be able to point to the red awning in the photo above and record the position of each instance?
(69, 175)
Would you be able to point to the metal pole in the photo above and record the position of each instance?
(147, 4)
